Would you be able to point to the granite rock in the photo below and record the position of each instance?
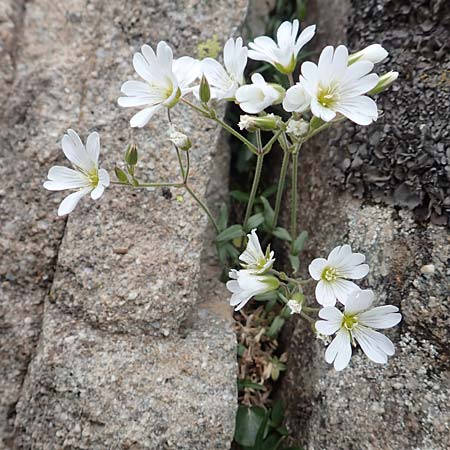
(136, 349)
(402, 405)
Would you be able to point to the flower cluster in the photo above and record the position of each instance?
(316, 96)
(357, 323)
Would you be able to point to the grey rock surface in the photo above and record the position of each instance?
(403, 405)
(136, 350)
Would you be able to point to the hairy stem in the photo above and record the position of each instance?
(281, 182)
(204, 207)
(146, 185)
(256, 178)
(235, 134)
(294, 193)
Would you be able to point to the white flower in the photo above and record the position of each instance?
(384, 81)
(336, 87)
(245, 284)
(295, 306)
(179, 139)
(333, 274)
(224, 81)
(85, 178)
(166, 80)
(254, 98)
(358, 323)
(374, 53)
(297, 128)
(283, 53)
(253, 257)
(296, 99)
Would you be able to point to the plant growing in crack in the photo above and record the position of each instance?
(335, 89)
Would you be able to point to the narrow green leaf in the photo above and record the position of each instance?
(242, 384)
(268, 211)
(295, 262)
(275, 327)
(230, 233)
(277, 413)
(248, 422)
(282, 233)
(299, 243)
(240, 196)
(255, 221)
(222, 221)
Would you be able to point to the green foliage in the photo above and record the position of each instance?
(282, 233)
(261, 429)
(230, 233)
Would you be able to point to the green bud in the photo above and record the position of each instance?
(266, 123)
(315, 123)
(384, 82)
(121, 175)
(205, 91)
(131, 155)
(287, 69)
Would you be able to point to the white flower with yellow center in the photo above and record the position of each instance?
(224, 81)
(165, 81)
(283, 53)
(334, 273)
(85, 178)
(253, 257)
(357, 325)
(245, 284)
(256, 97)
(336, 88)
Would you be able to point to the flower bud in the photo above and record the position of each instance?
(121, 175)
(179, 139)
(384, 82)
(131, 155)
(205, 91)
(265, 123)
(297, 128)
(374, 53)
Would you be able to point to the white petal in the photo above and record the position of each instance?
(64, 178)
(143, 117)
(340, 62)
(93, 147)
(359, 87)
(375, 345)
(164, 56)
(296, 99)
(186, 70)
(320, 111)
(342, 288)
(339, 254)
(69, 203)
(340, 350)
(358, 301)
(216, 74)
(325, 65)
(316, 268)
(130, 102)
(135, 88)
(305, 36)
(331, 313)
(142, 67)
(310, 71)
(380, 317)
(103, 177)
(361, 110)
(327, 328)
(97, 192)
(75, 151)
(325, 294)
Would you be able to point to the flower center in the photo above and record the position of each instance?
(93, 177)
(349, 322)
(330, 274)
(327, 96)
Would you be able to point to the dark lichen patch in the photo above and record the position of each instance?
(404, 158)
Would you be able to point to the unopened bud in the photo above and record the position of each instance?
(384, 82)
(205, 91)
(131, 155)
(180, 140)
(297, 128)
(121, 175)
(374, 53)
(296, 303)
(265, 123)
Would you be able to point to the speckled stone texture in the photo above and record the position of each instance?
(404, 405)
(136, 350)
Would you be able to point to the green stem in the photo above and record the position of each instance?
(256, 178)
(180, 161)
(236, 134)
(202, 111)
(188, 167)
(204, 207)
(291, 79)
(145, 185)
(294, 192)
(269, 144)
(281, 182)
